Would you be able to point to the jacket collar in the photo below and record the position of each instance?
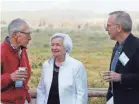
(129, 47)
(8, 42)
(51, 59)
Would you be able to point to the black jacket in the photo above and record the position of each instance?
(127, 91)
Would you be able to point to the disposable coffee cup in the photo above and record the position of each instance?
(22, 68)
(19, 83)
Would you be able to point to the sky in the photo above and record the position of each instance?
(93, 5)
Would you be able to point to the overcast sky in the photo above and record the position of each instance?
(93, 5)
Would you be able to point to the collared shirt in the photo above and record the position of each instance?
(13, 47)
(117, 50)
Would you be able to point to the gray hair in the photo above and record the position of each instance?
(67, 42)
(123, 18)
(15, 25)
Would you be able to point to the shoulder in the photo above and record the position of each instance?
(132, 42)
(3, 47)
(77, 66)
(45, 63)
(3, 50)
(134, 45)
(135, 41)
(74, 61)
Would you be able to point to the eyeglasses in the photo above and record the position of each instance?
(109, 26)
(25, 33)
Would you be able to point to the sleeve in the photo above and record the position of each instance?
(5, 80)
(5, 77)
(41, 90)
(29, 73)
(109, 93)
(81, 85)
(132, 78)
(28, 96)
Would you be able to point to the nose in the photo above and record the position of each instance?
(106, 28)
(54, 47)
(29, 37)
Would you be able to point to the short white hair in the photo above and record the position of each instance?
(67, 42)
(15, 26)
(123, 18)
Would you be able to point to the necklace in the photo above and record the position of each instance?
(56, 69)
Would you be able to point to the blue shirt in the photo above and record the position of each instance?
(117, 50)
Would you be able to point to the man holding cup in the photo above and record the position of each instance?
(15, 68)
(124, 68)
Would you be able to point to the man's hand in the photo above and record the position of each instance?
(19, 75)
(112, 76)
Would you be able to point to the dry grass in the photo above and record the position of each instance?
(92, 46)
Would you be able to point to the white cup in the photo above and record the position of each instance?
(22, 68)
(19, 83)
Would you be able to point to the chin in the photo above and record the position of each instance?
(55, 55)
(112, 38)
(24, 46)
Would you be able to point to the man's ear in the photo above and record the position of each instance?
(15, 35)
(119, 28)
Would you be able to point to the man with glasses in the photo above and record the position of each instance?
(14, 82)
(124, 68)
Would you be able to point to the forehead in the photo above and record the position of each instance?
(25, 27)
(57, 40)
(111, 19)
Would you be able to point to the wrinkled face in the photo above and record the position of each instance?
(57, 47)
(23, 37)
(112, 28)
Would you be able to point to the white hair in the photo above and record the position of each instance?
(67, 42)
(124, 19)
(15, 25)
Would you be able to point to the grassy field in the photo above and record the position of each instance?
(91, 45)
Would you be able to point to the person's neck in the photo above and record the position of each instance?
(59, 60)
(122, 37)
(13, 43)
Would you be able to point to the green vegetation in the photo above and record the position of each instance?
(91, 45)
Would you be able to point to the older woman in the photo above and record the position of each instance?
(63, 79)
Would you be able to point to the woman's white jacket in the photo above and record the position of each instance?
(72, 82)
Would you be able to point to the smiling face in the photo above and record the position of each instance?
(57, 47)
